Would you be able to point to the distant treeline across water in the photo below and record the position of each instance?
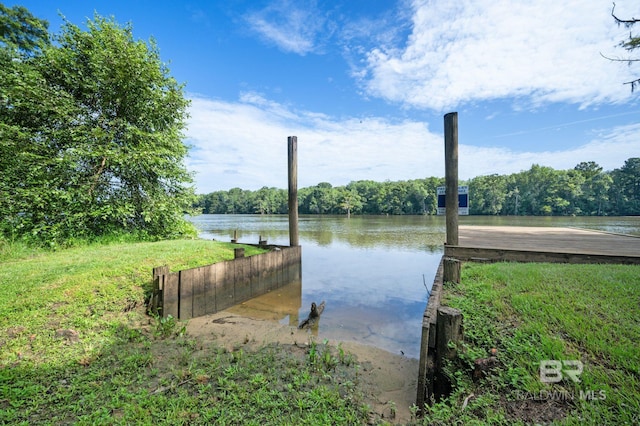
(584, 190)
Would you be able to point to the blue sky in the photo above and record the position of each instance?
(364, 84)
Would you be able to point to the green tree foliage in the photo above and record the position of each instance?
(594, 189)
(20, 30)
(489, 194)
(625, 188)
(584, 190)
(91, 131)
(358, 197)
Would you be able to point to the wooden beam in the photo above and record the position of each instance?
(293, 190)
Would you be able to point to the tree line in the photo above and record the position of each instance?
(584, 190)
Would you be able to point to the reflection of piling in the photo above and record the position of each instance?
(451, 182)
(293, 190)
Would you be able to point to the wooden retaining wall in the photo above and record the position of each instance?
(442, 334)
(426, 366)
(208, 289)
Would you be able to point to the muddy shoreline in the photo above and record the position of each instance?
(388, 380)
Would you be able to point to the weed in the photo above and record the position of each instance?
(392, 409)
(328, 360)
(313, 353)
(165, 327)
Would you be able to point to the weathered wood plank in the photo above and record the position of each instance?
(225, 280)
(279, 269)
(186, 294)
(297, 263)
(242, 283)
(170, 295)
(488, 254)
(198, 295)
(209, 273)
(160, 270)
(155, 301)
(255, 263)
(268, 275)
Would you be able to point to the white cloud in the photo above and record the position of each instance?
(244, 144)
(291, 25)
(470, 50)
(609, 149)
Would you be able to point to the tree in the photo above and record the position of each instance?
(489, 194)
(22, 31)
(31, 112)
(594, 188)
(95, 122)
(631, 44)
(349, 200)
(626, 187)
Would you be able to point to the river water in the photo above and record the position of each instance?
(373, 272)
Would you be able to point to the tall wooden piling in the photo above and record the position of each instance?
(293, 190)
(451, 182)
(451, 175)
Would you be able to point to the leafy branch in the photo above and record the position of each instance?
(631, 44)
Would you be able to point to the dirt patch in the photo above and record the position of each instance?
(389, 381)
(537, 411)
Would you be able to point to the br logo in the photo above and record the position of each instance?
(552, 371)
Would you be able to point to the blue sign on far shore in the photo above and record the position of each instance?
(463, 199)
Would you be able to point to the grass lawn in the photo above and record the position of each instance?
(76, 347)
(534, 313)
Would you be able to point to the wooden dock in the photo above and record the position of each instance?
(543, 244)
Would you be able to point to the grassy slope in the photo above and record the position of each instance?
(535, 312)
(123, 367)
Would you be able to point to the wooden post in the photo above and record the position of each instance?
(155, 302)
(235, 236)
(293, 190)
(238, 253)
(448, 339)
(451, 175)
(451, 268)
(448, 330)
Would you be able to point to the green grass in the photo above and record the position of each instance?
(535, 312)
(76, 347)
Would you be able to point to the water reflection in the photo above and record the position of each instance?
(281, 303)
(371, 271)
